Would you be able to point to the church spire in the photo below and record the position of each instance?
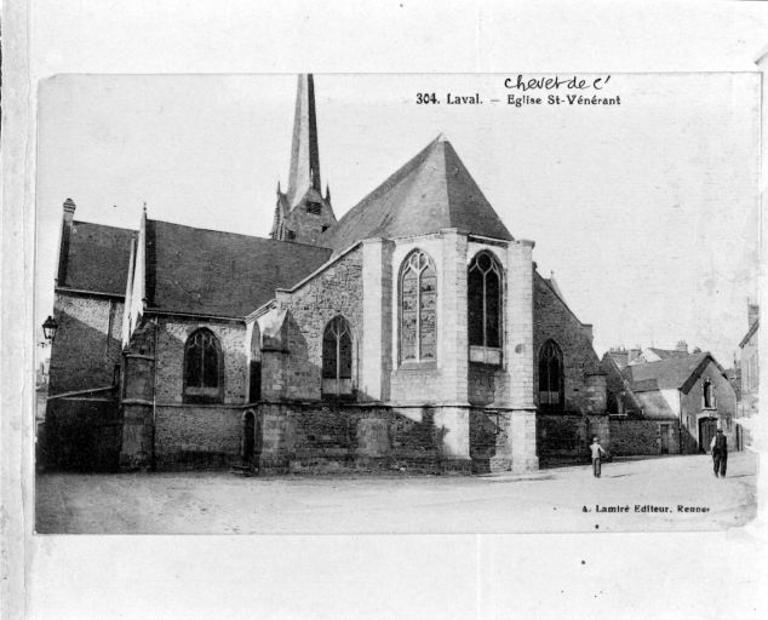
(302, 214)
(305, 156)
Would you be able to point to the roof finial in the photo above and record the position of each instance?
(327, 193)
(441, 137)
(144, 208)
(278, 187)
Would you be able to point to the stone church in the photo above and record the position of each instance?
(412, 333)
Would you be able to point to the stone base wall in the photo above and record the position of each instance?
(319, 438)
(322, 437)
(197, 436)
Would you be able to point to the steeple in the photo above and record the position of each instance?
(305, 156)
(302, 214)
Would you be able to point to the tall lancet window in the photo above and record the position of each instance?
(418, 308)
(550, 376)
(337, 358)
(484, 311)
(203, 367)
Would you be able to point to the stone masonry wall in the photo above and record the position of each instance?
(172, 336)
(552, 319)
(631, 437)
(197, 436)
(336, 291)
(319, 437)
(87, 345)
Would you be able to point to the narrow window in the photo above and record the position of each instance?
(337, 358)
(202, 368)
(709, 397)
(254, 387)
(418, 308)
(484, 311)
(551, 376)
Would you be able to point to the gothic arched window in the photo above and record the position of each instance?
(551, 376)
(484, 308)
(418, 308)
(203, 368)
(337, 358)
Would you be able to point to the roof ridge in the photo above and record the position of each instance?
(394, 179)
(132, 230)
(227, 232)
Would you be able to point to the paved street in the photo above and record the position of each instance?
(638, 495)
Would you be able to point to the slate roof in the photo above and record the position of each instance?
(432, 191)
(654, 405)
(199, 271)
(97, 258)
(671, 373)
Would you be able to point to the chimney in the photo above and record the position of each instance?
(66, 232)
(681, 345)
(633, 354)
(753, 313)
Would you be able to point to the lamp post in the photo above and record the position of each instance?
(50, 326)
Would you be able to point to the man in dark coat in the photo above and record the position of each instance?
(719, 448)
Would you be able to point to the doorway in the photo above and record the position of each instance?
(664, 432)
(249, 431)
(707, 430)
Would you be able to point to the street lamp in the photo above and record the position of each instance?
(49, 328)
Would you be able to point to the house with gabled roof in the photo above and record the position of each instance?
(413, 332)
(682, 399)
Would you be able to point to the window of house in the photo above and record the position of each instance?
(203, 368)
(709, 395)
(551, 376)
(418, 308)
(484, 305)
(337, 358)
(290, 235)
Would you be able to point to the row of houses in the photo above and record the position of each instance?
(673, 401)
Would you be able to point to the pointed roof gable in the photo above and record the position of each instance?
(670, 373)
(432, 191)
(97, 258)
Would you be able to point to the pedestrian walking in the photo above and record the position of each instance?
(719, 448)
(597, 454)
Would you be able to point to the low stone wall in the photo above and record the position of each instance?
(564, 438)
(636, 437)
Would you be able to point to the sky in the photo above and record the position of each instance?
(646, 212)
